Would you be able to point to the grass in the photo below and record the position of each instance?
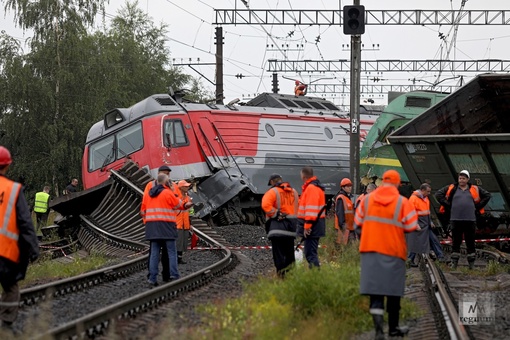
(308, 304)
(44, 271)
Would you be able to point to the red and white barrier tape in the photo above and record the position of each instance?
(481, 240)
(240, 248)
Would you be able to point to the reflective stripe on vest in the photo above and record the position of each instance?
(41, 202)
(279, 204)
(9, 233)
(11, 207)
(160, 214)
(393, 221)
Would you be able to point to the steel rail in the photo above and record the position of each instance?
(97, 322)
(455, 328)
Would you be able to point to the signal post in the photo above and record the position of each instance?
(354, 25)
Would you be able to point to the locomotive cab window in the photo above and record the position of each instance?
(118, 146)
(174, 134)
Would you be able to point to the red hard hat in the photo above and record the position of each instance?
(345, 182)
(298, 82)
(5, 156)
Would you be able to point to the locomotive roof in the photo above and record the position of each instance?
(290, 102)
(164, 103)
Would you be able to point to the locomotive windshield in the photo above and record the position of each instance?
(112, 148)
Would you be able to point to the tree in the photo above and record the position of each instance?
(71, 76)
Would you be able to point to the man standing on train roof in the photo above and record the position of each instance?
(280, 203)
(311, 215)
(419, 241)
(384, 216)
(41, 208)
(300, 88)
(18, 241)
(344, 213)
(160, 226)
(462, 201)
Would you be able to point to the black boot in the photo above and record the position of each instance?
(393, 318)
(455, 260)
(471, 260)
(378, 325)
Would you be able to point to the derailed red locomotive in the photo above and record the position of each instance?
(226, 151)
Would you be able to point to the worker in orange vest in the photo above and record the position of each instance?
(419, 241)
(18, 241)
(160, 226)
(300, 89)
(183, 222)
(344, 213)
(165, 273)
(384, 217)
(462, 201)
(280, 203)
(311, 215)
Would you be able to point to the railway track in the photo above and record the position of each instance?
(439, 291)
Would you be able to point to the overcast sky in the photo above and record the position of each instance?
(191, 35)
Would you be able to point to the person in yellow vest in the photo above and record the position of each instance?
(344, 213)
(41, 207)
(18, 242)
(183, 222)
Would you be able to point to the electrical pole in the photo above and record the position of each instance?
(219, 65)
(355, 91)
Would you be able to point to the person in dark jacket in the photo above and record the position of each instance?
(311, 215)
(18, 241)
(462, 201)
(160, 226)
(280, 203)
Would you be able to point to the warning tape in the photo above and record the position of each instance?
(481, 240)
(241, 248)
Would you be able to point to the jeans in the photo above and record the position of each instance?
(154, 259)
(311, 252)
(435, 245)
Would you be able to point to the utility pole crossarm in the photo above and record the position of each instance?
(488, 65)
(372, 17)
(380, 88)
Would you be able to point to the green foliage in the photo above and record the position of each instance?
(44, 271)
(72, 75)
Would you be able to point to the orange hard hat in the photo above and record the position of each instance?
(183, 183)
(391, 176)
(5, 156)
(345, 182)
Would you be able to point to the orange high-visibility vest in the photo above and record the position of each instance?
(183, 215)
(422, 205)
(9, 233)
(285, 199)
(348, 212)
(474, 193)
(162, 207)
(384, 226)
(310, 203)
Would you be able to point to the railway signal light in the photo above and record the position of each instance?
(354, 19)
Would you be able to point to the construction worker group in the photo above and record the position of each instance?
(390, 229)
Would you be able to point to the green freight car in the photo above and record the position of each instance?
(469, 129)
(377, 154)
